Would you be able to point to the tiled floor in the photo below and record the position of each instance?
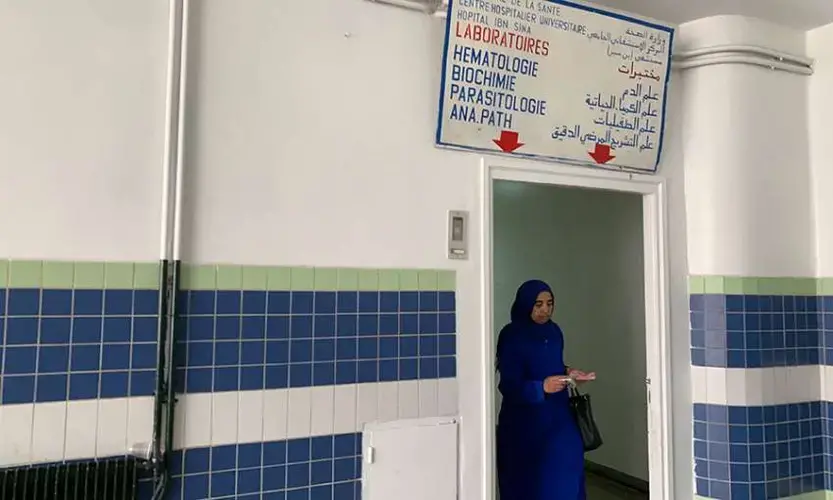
(601, 489)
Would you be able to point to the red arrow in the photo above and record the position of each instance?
(601, 154)
(508, 141)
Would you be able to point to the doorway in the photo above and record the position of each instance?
(597, 239)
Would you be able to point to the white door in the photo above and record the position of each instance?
(410, 460)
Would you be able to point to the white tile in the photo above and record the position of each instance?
(224, 418)
(428, 403)
(699, 385)
(367, 404)
(82, 423)
(275, 414)
(805, 383)
(768, 381)
(408, 399)
(784, 392)
(140, 420)
(827, 383)
(447, 397)
(48, 432)
(736, 386)
(196, 420)
(344, 409)
(754, 387)
(112, 427)
(322, 409)
(299, 413)
(250, 417)
(716, 385)
(388, 401)
(16, 434)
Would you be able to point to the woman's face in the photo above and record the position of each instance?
(543, 308)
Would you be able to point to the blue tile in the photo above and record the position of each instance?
(278, 302)
(229, 302)
(323, 374)
(223, 484)
(253, 327)
(300, 351)
(50, 388)
(324, 326)
(368, 302)
(199, 379)
(55, 330)
(324, 350)
(88, 302)
(325, 303)
(21, 331)
(145, 329)
(200, 328)
(56, 302)
(83, 385)
(252, 378)
(303, 303)
(254, 302)
(249, 455)
(277, 351)
(277, 376)
(297, 475)
(248, 481)
(115, 357)
(23, 302)
(118, 302)
(277, 327)
(226, 379)
(116, 330)
(87, 330)
(20, 360)
(389, 302)
(227, 328)
(85, 357)
(223, 458)
(252, 353)
(347, 302)
(114, 384)
(300, 327)
(145, 302)
(347, 325)
(300, 375)
(18, 389)
(142, 383)
(53, 359)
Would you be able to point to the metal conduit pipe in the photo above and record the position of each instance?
(164, 397)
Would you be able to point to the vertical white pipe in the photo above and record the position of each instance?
(182, 102)
(171, 121)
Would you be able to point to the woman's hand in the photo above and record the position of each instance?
(580, 376)
(554, 384)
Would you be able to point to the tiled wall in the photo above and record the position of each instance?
(74, 331)
(757, 340)
(277, 368)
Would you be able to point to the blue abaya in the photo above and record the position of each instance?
(540, 455)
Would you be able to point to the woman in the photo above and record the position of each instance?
(540, 455)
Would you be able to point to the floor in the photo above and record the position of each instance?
(599, 488)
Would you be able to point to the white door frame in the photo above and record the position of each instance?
(657, 339)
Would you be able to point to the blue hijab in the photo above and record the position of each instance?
(521, 313)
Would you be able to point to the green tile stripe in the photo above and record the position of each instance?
(760, 286)
(79, 275)
(145, 275)
(233, 277)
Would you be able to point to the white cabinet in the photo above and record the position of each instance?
(410, 460)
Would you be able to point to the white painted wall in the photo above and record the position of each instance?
(588, 246)
(746, 157)
(310, 141)
(820, 109)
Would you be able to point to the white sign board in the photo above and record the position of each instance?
(554, 80)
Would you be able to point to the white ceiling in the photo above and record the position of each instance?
(801, 14)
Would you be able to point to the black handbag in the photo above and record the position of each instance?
(583, 413)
